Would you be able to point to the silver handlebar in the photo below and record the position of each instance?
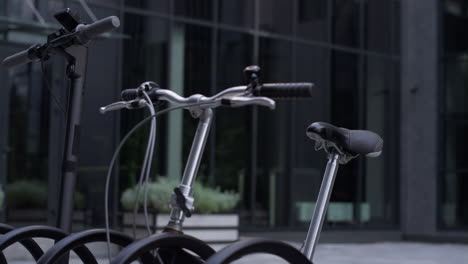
(234, 97)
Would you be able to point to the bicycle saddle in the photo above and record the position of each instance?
(352, 142)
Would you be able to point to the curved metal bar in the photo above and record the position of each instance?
(30, 245)
(3, 259)
(232, 90)
(4, 228)
(94, 235)
(165, 240)
(168, 95)
(20, 234)
(258, 245)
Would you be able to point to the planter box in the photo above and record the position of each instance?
(215, 229)
(26, 217)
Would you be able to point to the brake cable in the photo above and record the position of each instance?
(116, 153)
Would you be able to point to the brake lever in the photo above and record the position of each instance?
(242, 101)
(134, 104)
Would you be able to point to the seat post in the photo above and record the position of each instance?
(321, 205)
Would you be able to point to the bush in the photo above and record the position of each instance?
(207, 200)
(26, 194)
(32, 194)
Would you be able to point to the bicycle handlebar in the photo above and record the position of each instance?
(271, 90)
(21, 57)
(284, 90)
(82, 35)
(234, 97)
(91, 31)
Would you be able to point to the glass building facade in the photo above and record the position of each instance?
(453, 209)
(350, 49)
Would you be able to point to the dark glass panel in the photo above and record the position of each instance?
(233, 125)
(198, 9)
(396, 38)
(308, 165)
(276, 16)
(19, 10)
(53, 7)
(197, 59)
(108, 2)
(3, 8)
(456, 81)
(144, 58)
(455, 21)
(150, 5)
(237, 13)
(146, 51)
(378, 207)
(454, 121)
(453, 213)
(345, 113)
(273, 138)
(312, 19)
(197, 80)
(26, 150)
(345, 90)
(379, 25)
(346, 22)
(456, 154)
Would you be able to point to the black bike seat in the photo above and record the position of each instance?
(361, 142)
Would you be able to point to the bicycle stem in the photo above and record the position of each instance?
(177, 215)
(321, 206)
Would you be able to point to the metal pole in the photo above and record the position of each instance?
(196, 151)
(76, 73)
(177, 215)
(321, 206)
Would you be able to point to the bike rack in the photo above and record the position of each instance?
(259, 245)
(28, 232)
(76, 240)
(164, 241)
(28, 243)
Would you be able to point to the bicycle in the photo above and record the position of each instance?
(171, 243)
(341, 146)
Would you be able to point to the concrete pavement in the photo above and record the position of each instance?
(369, 253)
(381, 253)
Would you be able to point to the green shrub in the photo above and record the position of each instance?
(207, 200)
(32, 194)
(26, 194)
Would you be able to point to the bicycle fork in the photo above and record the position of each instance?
(182, 201)
(321, 206)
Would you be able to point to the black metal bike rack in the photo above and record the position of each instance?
(28, 232)
(29, 244)
(76, 240)
(166, 241)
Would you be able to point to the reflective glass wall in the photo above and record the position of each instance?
(349, 49)
(453, 210)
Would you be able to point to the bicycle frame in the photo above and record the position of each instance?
(177, 215)
(321, 206)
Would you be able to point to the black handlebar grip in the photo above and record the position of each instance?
(17, 59)
(91, 31)
(132, 94)
(284, 90)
